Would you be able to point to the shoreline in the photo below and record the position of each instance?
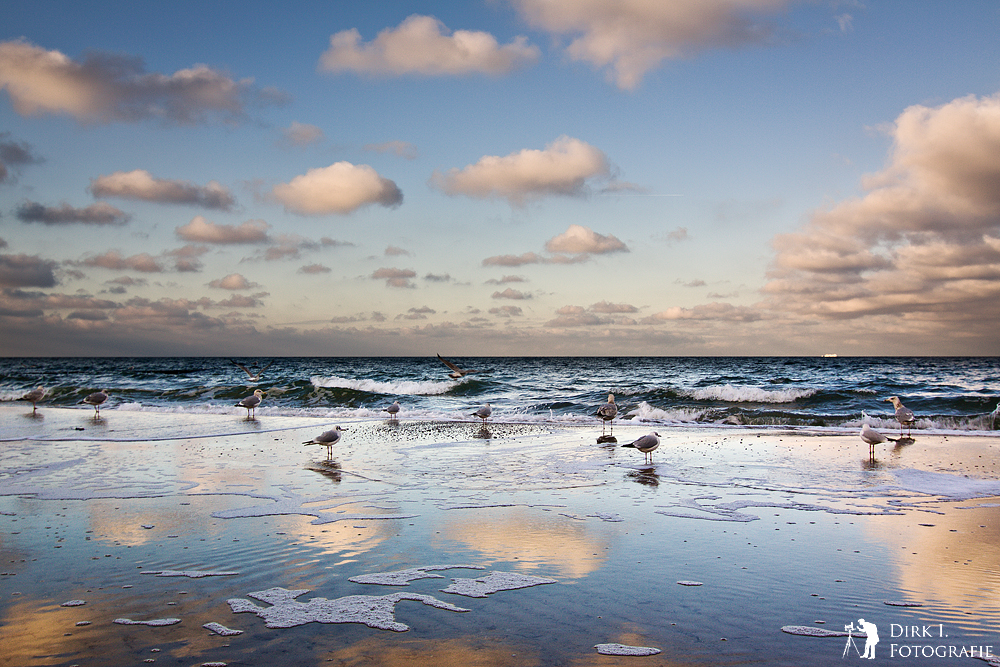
(726, 529)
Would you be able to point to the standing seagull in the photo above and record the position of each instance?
(35, 395)
(254, 377)
(457, 372)
(327, 439)
(251, 402)
(646, 444)
(393, 410)
(96, 399)
(483, 413)
(608, 412)
(872, 437)
(904, 415)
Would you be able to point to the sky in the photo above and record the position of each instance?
(500, 177)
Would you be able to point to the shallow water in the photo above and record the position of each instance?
(779, 528)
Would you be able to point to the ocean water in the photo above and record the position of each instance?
(947, 394)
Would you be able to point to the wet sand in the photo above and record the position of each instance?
(705, 555)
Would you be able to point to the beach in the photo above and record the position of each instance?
(458, 543)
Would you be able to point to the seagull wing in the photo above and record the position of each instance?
(450, 365)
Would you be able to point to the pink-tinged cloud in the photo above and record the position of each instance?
(140, 185)
(629, 38)
(505, 279)
(511, 293)
(923, 241)
(402, 278)
(94, 214)
(514, 260)
(26, 271)
(340, 188)
(562, 168)
(200, 230)
(423, 45)
(313, 269)
(403, 149)
(579, 240)
(114, 260)
(302, 134)
(234, 281)
(608, 308)
(722, 312)
(105, 88)
(507, 311)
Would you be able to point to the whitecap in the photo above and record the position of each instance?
(747, 394)
(391, 388)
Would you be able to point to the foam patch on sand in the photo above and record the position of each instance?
(404, 577)
(493, 583)
(194, 574)
(624, 649)
(690, 583)
(220, 629)
(692, 508)
(155, 623)
(73, 603)
(945, 484)
(294, 503)
(374, 611)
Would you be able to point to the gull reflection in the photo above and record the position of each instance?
(644, 476)
(329, 469)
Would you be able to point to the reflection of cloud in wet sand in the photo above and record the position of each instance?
(466, 651)
(527, 537)
(950, 559)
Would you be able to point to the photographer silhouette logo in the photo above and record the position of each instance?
(865, 629)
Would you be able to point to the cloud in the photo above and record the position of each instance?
(95, 214)
(26, 271)
(612, 308)
(922, 242)
(141, 185)
(679, 234)
(724, 312)
(105, 88)
(562, 168)
(438, 277)
(514, 260)
(506, 279)
(13, 155)
(578, 240)
(629, 38)
(234, 281)
(312, 269)
(507, 311)
(395, 277)
(599, 314)
(423, 45)
(393, 251)
(114, 260)
(200, 230)
(340, 188)
(302, 134)
(403, 149)
(511, 293)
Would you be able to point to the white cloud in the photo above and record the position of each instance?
(423, 45)
(106, 88)
(200, 230)
(632, 37)
(562, 168)
(579, 240)
(511, 293)
(141, 185)
(340, 188)
(923, 242)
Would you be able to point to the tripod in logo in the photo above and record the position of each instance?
(871, 638)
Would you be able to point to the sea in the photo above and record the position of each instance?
(948, 394)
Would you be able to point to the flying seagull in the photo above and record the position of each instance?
(328, 439)
(456, 371)
(96, 399)
(254, 377)
(607, 413)
(646, 444)
(251, 402)
(34, 396)
(483, 413)
(393, 410)
(904, 415)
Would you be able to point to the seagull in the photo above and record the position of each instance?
(35, 395)
(904, 415)
(327, 439)
(96, 399)
(457, 372)
(254, 377)
(608, 412)
(251, 402)
(483, 413)
(872, 437)
(646, 444)
(393, 410)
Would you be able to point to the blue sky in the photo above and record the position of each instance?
(526, 177)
